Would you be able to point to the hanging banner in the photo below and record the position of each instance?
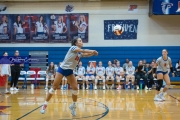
(120, 29)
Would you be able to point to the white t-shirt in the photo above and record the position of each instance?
(19, 29)
(71, 59)
(2, 26)
(59, 27)
(163, 65)
(39, 27)
(81, 70)
(110, 71)
(91, 70)
(118, 70)
(81, 25)
(130, 70)
(100, 70)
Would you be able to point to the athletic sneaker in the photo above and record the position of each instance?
(87, 87)
(157, 98)
(119, 87)
(7, 92)
(161, 95)
(15, 89)
(146, 88)
(43, 108)
(72, 107)
(46, 88)
(95, 87)
(104, 87)
(11, 89)
(62, 87)
(137, 87)
(150, 88)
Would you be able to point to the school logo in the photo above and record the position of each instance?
(166, 7)
(69, 8)
(178, 7)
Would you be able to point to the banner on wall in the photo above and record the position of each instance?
(166, 7)
(120, 29)
(43, 28)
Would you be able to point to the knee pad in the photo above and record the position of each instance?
(75, 92)
(118, 80)
(159, 84)
(51, 91)
(167, 86)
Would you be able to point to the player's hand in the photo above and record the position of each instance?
(95, 53)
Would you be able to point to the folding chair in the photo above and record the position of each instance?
(42, 76)
(31, 76)
(23, 78)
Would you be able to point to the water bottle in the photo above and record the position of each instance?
(140, 86)
(32, 86)
(91, 86)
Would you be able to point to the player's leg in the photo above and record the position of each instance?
(118, 78)
(87, 83)
(127, 80)
(96, 80)
(47, 80)
(77, 78)
(52, 79)
(55, 85)
(138, 77)
(168, 83)
(145, 81)
(73, 82)
(107, 79)
(112, 79)
(62, 85)
(158, 86)
(84, 81)
(65, 83)
(6, 85)
(132, 80)
(104, 82)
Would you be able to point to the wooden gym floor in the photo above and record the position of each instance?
(92, 105)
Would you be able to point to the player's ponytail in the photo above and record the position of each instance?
(73, 42)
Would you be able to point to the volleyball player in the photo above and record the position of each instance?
(110, 74)
(130, 70)
(66, 69)
(80, 74)
(161, 69)
(119, 74)
(59, 26)
(81, 24)
(100, 75)
(41, 26)
(18, 25)
(90, 74)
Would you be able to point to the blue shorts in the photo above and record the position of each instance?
(162, 72)
(89, 74)
(66, 72)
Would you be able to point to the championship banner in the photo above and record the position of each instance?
(120, 29)
(21, 28)
(166, 7)
(5, 31)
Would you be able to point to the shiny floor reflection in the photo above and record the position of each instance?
(99, 104)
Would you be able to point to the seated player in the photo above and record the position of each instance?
(80, 74)
(110, 74)
(130, 70)
(100, 75)
(50, 74)
(64, 84)
(90, 74)
(119, 74)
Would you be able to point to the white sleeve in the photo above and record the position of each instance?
(15, 25)
(177, 65)
(73, 48)
(158, 60)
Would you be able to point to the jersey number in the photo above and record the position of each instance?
(77, 58)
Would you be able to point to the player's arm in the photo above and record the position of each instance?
(65, 29)
(87, 54)
(81, 28)
(5, 29)
(86, 51)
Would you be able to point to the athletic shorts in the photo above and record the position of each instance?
(162, 72)
(66, 72)
(89, 74)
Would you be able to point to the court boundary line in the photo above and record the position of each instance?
(28, 113)
(174, 97)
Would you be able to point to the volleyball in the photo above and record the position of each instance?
(118, 30)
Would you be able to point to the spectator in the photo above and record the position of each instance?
(130, 71)
(114, 63)
(5, 70)
(144, 63)
(15, 72)
(140, 73)
(178, 68)
(90, 74)
(125, 65)
(150, 75)
(154, 60)
(80, 74)
(50, 73)
(109, 74)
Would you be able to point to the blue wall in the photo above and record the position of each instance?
(56, 54)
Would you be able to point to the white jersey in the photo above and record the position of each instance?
(100, 70)
(110, 71)
(163, 65)
(39, 26)
(71, 59)
(59, 27)
(2, 26)
(90, 70)
(19, 29)
(81, 71)
(130, 70)
(118, 70)
(83, 24)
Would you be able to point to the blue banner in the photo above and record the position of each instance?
(120, 29)
(166, 7)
